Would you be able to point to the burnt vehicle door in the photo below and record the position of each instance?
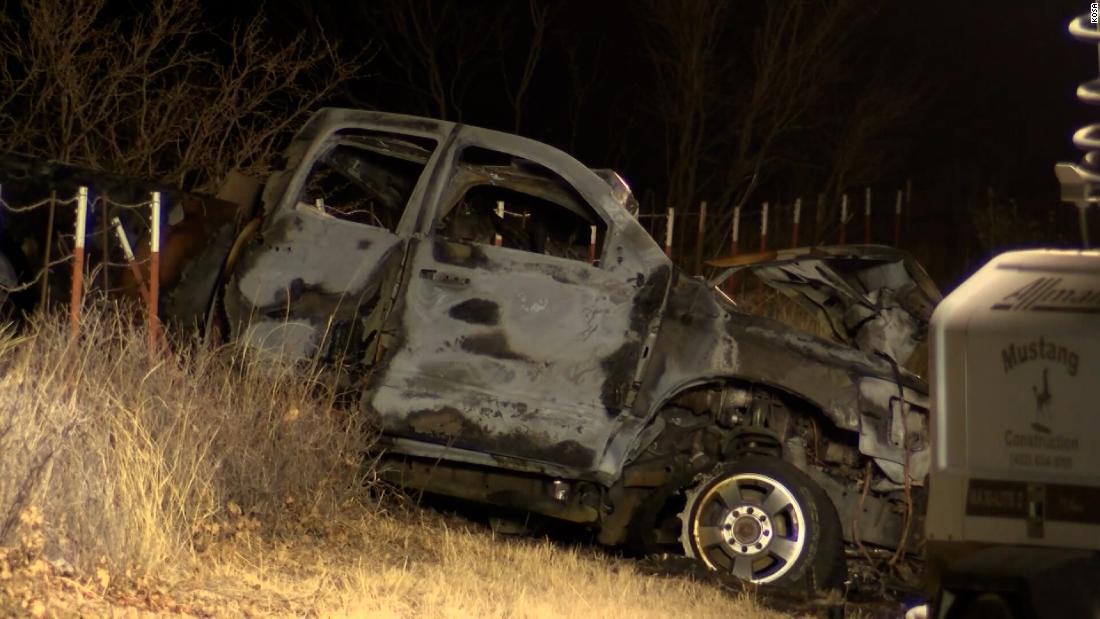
(332, 246)
(524, 316)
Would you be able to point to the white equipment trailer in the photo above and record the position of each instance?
(1013, 521)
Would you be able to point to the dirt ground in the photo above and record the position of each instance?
(370, 561)
(365, 562)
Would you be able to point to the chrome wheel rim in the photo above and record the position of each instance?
(746, 524)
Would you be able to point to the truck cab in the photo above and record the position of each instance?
(523, 342)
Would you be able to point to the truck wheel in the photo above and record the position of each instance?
(765, 521)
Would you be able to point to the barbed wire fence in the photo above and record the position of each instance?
(106, 216)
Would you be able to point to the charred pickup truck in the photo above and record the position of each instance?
(509, 363)
(524, 343)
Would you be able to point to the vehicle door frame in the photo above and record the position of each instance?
(317, 136)
(623, 237)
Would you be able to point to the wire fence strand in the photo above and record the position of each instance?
(62, 239)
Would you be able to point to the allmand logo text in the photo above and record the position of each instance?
(1049, 294)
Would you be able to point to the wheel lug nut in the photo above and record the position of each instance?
(750, 510)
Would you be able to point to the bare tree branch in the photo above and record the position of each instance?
(147, 96)
(540, 14)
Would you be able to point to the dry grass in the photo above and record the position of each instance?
(416, 564)
(131, 461)
(756, 298)
(218, 483)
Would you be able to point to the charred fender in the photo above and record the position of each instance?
(855, 391)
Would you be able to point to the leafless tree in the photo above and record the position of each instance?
(439, 46)
(798, 55)
(683, 47)
(540, 12)
(742, 95)
(584, 75)
(147, 96)
(854, 151)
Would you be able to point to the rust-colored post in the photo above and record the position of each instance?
(867, 216)
(794, 222)
(592, 246)
(699, 236)
(76, 294)
(735, 245)
(104, 240)
(764, 228)
(128, 252)
(44, 291)
(154, 275)
(843, 218)
(897, 221)
(670, 222)
(498, 240)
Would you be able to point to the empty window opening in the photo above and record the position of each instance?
(367, 177)
(516, 204)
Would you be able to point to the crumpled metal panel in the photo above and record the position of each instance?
(309, 273)
(833, 377)
(876, 298)
(702, 339)
(893, 427)
(514, 353)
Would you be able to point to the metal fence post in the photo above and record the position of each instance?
(76, 292)
(699, 237)
(154, 275)
(764, 228)
(867, 216)
(794, 223)
(843, 218)
(668, 231)
(735, 245)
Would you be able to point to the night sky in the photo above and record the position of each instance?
(970, 102)
(995, 108)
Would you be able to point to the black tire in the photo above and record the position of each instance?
(762, 519)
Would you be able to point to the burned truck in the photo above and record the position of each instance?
(524, 343)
